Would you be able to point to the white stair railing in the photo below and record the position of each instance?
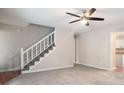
(35, 50)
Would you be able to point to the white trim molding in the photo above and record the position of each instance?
(10, 69)
(47, 69)
(90, 65)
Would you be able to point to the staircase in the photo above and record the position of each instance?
(31, 56)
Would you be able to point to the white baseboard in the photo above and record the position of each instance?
(46, 69)
(77, 62)
(94, 66)
(10, 69)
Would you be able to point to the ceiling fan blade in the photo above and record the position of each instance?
(75, 21)
(90, 12)
(95, 18)
(73, 15)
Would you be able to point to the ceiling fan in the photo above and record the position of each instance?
(86, 17)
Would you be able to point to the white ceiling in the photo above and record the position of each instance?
(56, 17)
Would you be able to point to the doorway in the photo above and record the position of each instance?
(118, 51)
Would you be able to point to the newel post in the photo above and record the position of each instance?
(22, 59)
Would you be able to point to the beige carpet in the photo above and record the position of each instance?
(77, 75)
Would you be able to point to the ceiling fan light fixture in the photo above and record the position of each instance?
(87, 14)
(84, 21)
(86, 18)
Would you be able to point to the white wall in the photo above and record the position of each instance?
(95, 49)
(120, 43)
(63, 55)
(12, 38)
(119, 59)
(95, 46)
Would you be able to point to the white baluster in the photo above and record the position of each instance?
(40, 46)
(47, 41)
(52, 38)
(31, 53)
(27, 57)
(36, 49)
(44, 44)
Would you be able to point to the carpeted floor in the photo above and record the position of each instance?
(77, 75)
